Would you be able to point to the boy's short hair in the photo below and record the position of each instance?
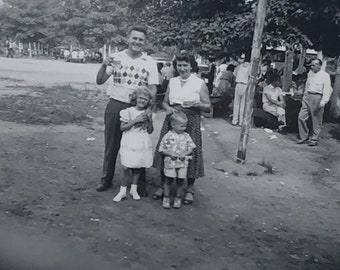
(179, 117)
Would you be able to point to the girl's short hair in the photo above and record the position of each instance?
(140, 91)
(178, 117)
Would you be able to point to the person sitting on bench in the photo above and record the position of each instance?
(273, 101)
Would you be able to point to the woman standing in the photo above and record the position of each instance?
(189, 94)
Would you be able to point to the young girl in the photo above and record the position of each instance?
(135, 146)
(176, 146)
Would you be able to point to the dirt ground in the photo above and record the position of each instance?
(51, 217)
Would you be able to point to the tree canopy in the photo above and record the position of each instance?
(197, 25)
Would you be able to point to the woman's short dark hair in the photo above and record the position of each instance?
(186, 58)
(273, 77)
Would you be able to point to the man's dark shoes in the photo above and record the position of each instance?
(301, 141)
(102, 187)
(312, 143)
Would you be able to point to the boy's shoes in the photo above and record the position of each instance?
(103, 186)
(166, 203)
(177, 203)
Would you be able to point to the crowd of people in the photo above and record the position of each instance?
(178, 155)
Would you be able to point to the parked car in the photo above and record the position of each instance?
(77, 56)
(59, 52)
(93, 56)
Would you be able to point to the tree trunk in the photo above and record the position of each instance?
(30, 49)
(302, 59)
(104, 52)
(254, 65)
(287, 71)
(335, 106)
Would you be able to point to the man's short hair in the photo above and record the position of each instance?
(231, 67)
(138, 28)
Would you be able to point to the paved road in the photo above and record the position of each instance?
(47, 71)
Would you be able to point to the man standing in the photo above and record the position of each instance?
(317, 93)
(130, 70)
(241, 73)
(10, 48)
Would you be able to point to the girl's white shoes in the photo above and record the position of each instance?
(134, 193)
(122, 193)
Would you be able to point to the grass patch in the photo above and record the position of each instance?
(53, 105)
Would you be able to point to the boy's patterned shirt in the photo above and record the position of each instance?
(177, 143)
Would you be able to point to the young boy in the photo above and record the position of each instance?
(176, 146)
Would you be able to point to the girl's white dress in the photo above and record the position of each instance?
(135, 146)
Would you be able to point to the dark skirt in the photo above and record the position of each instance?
(196, 168)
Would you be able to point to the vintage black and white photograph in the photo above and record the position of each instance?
(169, 134)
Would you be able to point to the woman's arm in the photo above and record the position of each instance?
(204, 104)
(282, 101)
(166, 103)
(271, 100)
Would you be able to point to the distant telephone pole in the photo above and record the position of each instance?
(254, 65)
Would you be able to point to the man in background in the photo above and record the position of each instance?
(317, 93)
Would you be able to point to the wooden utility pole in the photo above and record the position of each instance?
(254, 65)
(302, 59)
(335, 109)
(288, 70)
(30, 49)
(104, 52)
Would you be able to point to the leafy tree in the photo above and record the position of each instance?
(197, 25)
